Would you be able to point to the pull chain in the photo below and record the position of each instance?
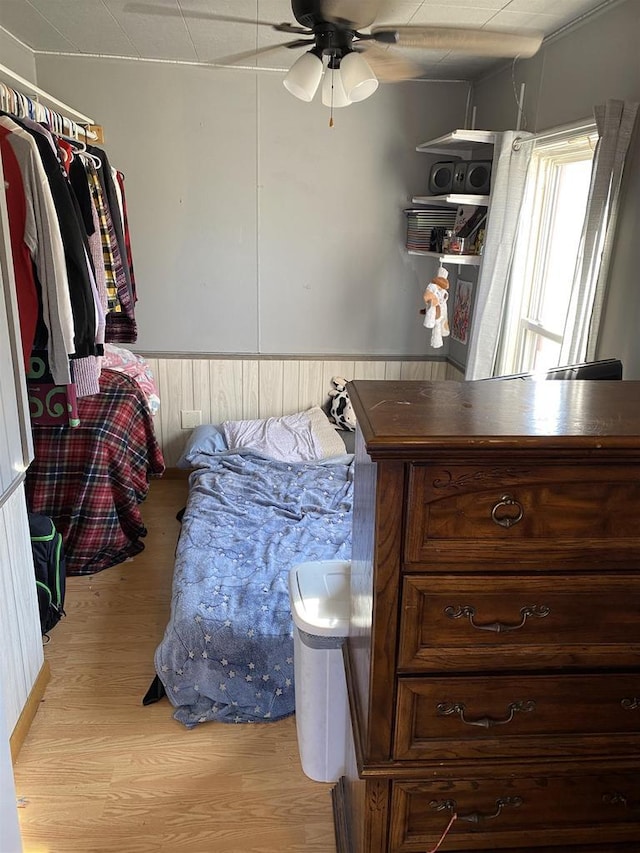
(331, 60)
(444, 834)
(331, 107)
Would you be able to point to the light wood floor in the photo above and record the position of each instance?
(100, 773)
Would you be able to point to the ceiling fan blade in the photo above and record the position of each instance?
(460, 40)
(149, 9)
(388, 65)
(234, 58)
(355, 13)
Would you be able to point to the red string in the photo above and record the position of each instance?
(444, 834)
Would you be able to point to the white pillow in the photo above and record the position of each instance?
(304, 437)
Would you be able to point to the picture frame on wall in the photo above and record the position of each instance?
(461, 312)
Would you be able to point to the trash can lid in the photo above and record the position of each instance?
(320, 597)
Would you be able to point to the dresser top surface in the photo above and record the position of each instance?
(515, 413)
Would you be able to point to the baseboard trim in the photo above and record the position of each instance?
(29, 711)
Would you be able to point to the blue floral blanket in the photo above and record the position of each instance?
(227, 652)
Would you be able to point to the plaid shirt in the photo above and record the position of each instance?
(108, 238)
(127, 236)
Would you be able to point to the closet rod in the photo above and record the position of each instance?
(9, 77)
(33, 93)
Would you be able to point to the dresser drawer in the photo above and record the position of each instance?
(454, 623)
(517, 716)
(541, 517)
(524, 812)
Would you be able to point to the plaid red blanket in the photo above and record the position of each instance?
(91, 479)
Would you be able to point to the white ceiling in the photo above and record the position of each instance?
(109, 28)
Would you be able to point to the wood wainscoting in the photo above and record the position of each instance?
(225, 388)
(21, 653)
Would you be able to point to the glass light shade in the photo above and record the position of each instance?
(336, 97)
(303, 78)
(359, 80)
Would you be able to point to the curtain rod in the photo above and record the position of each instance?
(550, 134)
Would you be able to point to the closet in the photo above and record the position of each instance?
(23, 672)
(93, 437)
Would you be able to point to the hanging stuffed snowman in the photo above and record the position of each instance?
(435, 298)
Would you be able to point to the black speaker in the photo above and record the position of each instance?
(460, 176)
(441, 177)
(477, 180)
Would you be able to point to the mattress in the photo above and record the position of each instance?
(227, 651)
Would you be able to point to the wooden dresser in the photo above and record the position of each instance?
(493, 665)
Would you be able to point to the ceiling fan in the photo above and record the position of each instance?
(348, 61)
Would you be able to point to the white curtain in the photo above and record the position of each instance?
(615, 121)
(507, 191)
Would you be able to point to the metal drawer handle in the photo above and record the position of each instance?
(446, 709)
(508, 519)
(476, 817)
(631, 704)
(538, 610)
(615, 798)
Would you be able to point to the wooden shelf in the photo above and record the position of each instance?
(471, 260)
(452, 198)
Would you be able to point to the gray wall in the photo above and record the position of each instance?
(18, 58)
(255, 227)
(589, 64)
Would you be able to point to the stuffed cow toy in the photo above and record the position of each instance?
(341, 410)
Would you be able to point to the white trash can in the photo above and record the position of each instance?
(320, 603)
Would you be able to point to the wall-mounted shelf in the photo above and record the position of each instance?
(452, 198)
(461, 140)
(471, 260)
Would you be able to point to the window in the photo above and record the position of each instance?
(546, 251)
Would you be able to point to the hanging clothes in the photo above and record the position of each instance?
(26, 290)
(127, 236)
(107, 236)
(50, 404)
(43, 239)
(71, 247)
(121, 325)
(79, 269)
(74, 246)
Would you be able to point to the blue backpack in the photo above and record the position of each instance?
(50, 569)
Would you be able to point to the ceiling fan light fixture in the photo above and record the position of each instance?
(303, 78)
(359, 80)
(333, 91)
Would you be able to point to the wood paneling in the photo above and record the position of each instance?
(233, 389)
(20, 641)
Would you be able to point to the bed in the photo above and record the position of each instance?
(91, 478)
(254, 510)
